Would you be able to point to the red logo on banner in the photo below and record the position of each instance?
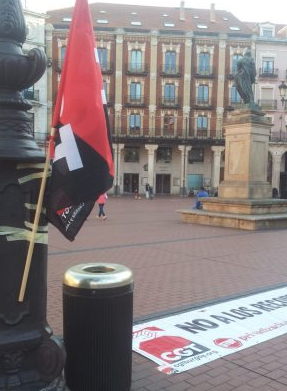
(172, 349)
(228, 343)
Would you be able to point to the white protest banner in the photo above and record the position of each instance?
(184, 341)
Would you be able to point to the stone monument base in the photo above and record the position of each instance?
(249, 214)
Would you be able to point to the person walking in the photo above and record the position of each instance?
(101, 202)
(147, 190)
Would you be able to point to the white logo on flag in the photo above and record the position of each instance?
(104, 99)
(68, 148)
(96, 55)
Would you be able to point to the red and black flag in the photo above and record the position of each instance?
(82, 168)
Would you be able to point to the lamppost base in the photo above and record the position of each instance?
(57, 385)
(117, 190)
(183, 191)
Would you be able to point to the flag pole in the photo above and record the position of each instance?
(37, 218)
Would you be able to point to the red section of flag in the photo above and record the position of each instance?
(82, 167)
(79, 100)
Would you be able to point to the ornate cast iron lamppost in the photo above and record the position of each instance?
(31, 359)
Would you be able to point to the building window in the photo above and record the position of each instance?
(28, 93)
(103, 58)
(132, 154)
(62, 54)
(267, 32)
(235, 98)
(196, 155)
(135, 91)
(204, 64)
(135, 123)
(136, 61)
(202, 122)
(164, 155)
(268, 65)
(203, 94)
(235, 59)
(170, 62)
(169, 93)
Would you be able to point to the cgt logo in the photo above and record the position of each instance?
(228, 343)
(172, 349)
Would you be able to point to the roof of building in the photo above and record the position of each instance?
(255, 27)
(108, 15)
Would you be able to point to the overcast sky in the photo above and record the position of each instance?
(246, 10)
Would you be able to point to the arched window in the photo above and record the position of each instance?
(202, 122)
(103, 58)
(136, 61)
(170, 62)
(235, 59)
(203, 94)
(169, 92)
(204, 64)
(235, 98)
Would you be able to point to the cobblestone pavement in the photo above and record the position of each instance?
(176, 266)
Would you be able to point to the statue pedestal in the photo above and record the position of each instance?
(246, 156)
(244, 197)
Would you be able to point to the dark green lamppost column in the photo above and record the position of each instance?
(31, 359)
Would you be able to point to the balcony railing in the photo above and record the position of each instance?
(106, 67)
(278, 136)
(173, 137)
(170, 70)
(206, 103)
(110, 99)
(136, 69)
(206, 71)
(170, 101)
(268, 72)
(268, 104)
(131, 100)
(231, 72)
(32, 95)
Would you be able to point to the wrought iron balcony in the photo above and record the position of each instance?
(231, 72)
(136, 69)
(206, 71)
(136, 101)
(268, 72)
(170, 70)
(206, 103)
(32, 95)
(106, 67)
(157, 134)
(110, 99)
(268, 104)
(170, 101)
(278, 136)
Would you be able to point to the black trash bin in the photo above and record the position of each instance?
(97, 326)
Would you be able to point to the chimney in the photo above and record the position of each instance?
(212, 12)
(181, 11)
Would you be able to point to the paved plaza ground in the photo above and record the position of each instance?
(176, 266)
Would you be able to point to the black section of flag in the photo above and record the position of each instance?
(72, 194)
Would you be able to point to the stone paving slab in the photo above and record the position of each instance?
(175, 266)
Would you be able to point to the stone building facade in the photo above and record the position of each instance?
(169, 80)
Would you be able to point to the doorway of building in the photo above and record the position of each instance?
(162, 185)
(131, 183)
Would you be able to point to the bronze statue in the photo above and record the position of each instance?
(245, 77)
